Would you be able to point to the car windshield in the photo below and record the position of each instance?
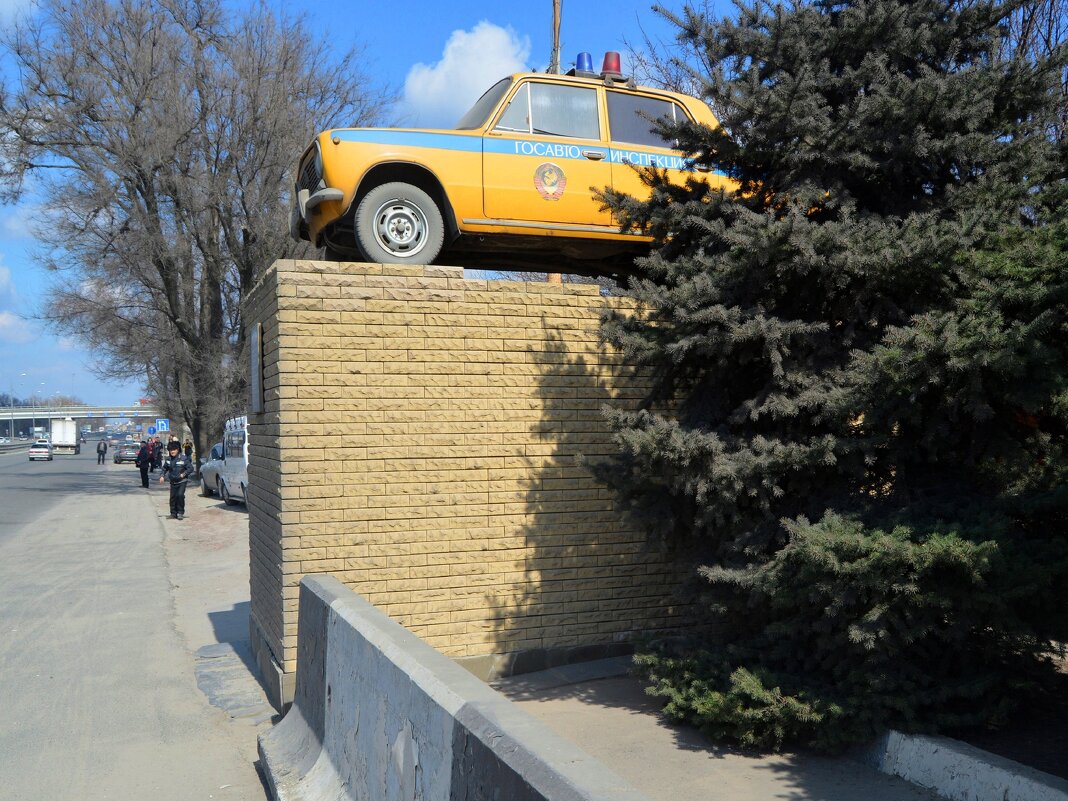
(478, 114)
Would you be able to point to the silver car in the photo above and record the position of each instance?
(41, 449)
(209, 471)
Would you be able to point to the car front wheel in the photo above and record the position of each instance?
(397, 223)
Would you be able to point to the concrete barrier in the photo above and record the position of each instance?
(960, 772)
(380, 715)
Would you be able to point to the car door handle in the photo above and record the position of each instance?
(593, 155)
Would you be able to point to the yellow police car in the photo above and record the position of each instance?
(512, 185)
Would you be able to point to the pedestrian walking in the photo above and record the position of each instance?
(177, 467)
(157, 455)
(101, 451)
(143, 462)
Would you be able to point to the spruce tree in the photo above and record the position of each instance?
(859, 357)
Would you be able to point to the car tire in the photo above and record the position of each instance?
(224, 493)
(397, 223)
(332, 254)
(205, 490)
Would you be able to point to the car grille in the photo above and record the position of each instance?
(311, 177)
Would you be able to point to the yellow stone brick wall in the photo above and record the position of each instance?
(420, 442)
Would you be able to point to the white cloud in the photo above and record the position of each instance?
(67, 345)
(437, 95)
(15, 330)
(10, 9)
(5, 279)
(15, 220)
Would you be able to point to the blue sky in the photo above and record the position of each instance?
(437, 56)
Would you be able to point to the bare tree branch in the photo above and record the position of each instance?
(164, 133)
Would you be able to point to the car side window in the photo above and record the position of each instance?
(630, 118)
(551, 110)
(516, 116)
(216, 451)
(234, 443)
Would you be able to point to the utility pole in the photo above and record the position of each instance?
(554, 68)
(554, 59)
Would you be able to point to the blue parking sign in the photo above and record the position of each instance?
(163, 425)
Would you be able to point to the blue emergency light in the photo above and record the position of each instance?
(584, 64)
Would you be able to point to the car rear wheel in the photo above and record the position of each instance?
(224, 493)
(205, 489)
(397, 223)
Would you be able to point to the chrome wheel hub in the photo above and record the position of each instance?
(400, 227)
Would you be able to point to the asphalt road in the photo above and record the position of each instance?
(27, 489)
(98, 677)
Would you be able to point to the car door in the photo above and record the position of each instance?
(635, 143)
(545, 155)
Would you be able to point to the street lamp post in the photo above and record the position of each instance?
(33, 412)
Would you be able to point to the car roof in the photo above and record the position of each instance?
(694, 105)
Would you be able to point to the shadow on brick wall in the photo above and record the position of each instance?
(592, 581)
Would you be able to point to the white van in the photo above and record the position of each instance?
(233, 469)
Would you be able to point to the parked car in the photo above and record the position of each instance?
(41, 449)
(126, 453)
(5, 441)
(209, 471)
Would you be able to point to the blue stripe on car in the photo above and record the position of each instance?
(513, 147)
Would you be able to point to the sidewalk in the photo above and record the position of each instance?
(97, 656)
(208, 559)
(607, 713)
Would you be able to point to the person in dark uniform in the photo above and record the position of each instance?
(143, 462)
(156, 449)
(177, 467)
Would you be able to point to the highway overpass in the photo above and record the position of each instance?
(21, 418)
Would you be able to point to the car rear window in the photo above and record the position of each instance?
(630, 118)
